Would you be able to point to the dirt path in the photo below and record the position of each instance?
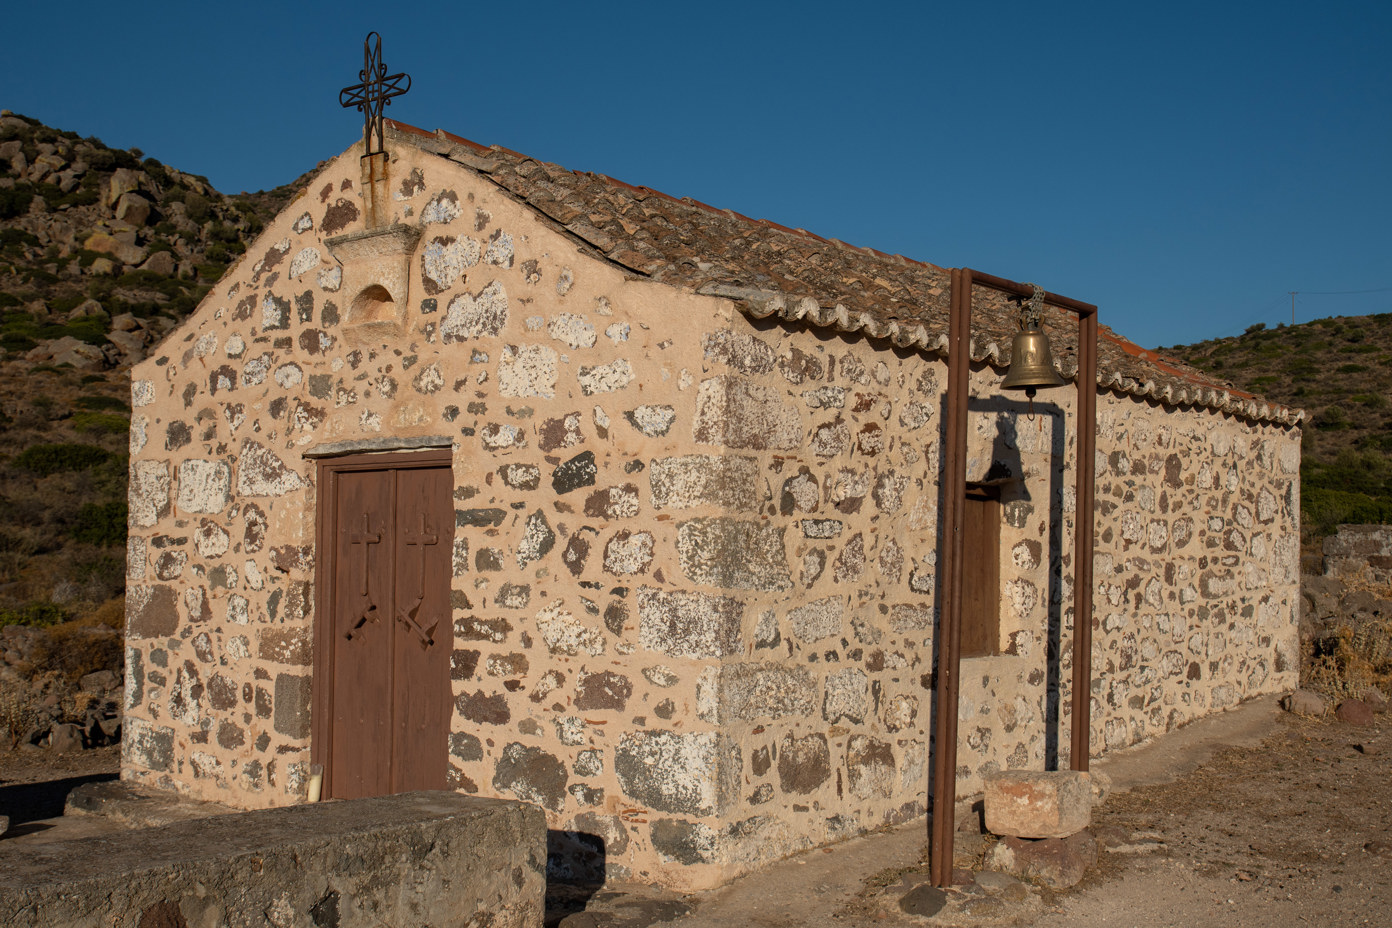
(1292, 827)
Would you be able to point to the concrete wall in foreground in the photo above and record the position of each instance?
(417, 859)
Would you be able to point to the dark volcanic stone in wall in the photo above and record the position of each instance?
(483, 708)
(603, 690)
(578, 472)
(151, 612)
(292, 695)
(533, 775)
(465, 747)
(804, 764)
(683, 842)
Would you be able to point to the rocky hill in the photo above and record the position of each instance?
(1340, 371)
(102, 252)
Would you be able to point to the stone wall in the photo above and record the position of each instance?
(695, 556)
(1360, 553)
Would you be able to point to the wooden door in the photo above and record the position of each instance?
(382, 692)
(981, 572)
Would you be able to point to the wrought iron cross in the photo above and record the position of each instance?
(374, 91)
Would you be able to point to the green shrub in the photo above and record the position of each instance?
(100, 423)
(14, 201)
(101, 403)
(46, 459)
(1352, 368)
(102, 523)
(35, 615)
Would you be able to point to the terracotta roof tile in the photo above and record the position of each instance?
(770, 270)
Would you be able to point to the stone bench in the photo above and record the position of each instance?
(430, 858)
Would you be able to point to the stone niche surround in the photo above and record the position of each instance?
(694, 562)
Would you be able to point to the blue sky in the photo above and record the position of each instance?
(1182, 165)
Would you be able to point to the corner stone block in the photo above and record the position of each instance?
(734, 554)
(1038, 804)
(151, 612)
(727, 482)
(670, 772)
(292, 705)
(148, 493)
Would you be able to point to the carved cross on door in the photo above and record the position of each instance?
(365, 537)
(419, 539)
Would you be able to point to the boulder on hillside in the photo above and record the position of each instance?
(123, 181)
(67, 350)
(131, 345)
(133, 208)
(125, 252)
(87, 308)
(162, 263)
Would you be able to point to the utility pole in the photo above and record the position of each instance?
(1292, 293)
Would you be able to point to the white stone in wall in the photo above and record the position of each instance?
(444, 261)
(331, 278)
(211, 540)
(564, 635)
(137, 435)
(289, 376)
(499, 251)
(653, 421)
(605, 378)
(304, 260)
(818, 620)
(572, 330)
(617, 332)
(149, 492)
(527, 370)
(205, 345)
(135, 557)
(142, 393)
(441, 208)
(499, 437)
(204, 486)
(254, 371)
(238, 648)
(253, 575)
(476, 316)
(261, 473)
(235, 347)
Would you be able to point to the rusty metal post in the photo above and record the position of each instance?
(1080, 749)
(954, 488)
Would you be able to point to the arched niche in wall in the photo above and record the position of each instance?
(377, 271)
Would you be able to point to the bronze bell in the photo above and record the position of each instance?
(1031, 362)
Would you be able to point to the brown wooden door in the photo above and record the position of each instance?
(382, 687)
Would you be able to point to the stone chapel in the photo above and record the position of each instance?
(477, 473)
